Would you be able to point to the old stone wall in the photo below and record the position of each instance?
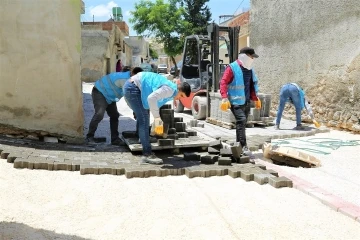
(108, 26)
(40, 91)
(315, 44)
(99, 51)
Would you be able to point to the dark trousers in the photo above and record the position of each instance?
(241, 113)
(100, 106)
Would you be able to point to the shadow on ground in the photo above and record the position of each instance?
(20, 231)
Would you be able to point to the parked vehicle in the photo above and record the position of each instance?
(162, 68)
(147, 67)
(172, 69)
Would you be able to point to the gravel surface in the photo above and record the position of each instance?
(58, 205)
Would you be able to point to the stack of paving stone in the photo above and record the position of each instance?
(174, 126)
(216, 153)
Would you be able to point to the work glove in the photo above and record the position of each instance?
(317, 125)
(258, 104)
(157, 127)
(225, 104)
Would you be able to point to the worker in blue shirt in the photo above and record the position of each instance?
(107, 91)
(147, 90)
(292, 93)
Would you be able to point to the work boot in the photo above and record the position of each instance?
(300, 127)
(118, 142)
(277, 127)
(151, 159)
(90, 141)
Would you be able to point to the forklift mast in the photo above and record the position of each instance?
(215, 32)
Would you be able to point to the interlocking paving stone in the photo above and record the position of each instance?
(226, 152)
(20, 163)
(14, 154)
(212, 150)
(180, 126)
(209, 159)
(124, 163)
(182, 134)
(243, 159)
(166, 142)
(236, 150)
(224, 161)
(191, 133)
(191, 157)
(262, 178)
(171, 131)
(278, 182)
(178, 119)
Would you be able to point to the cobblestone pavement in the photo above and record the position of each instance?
(29, 155)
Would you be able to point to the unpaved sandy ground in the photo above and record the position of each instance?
(37, 204)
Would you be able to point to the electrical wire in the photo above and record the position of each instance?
(238, 6)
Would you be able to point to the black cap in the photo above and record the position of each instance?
(250, 51)
(185, 87)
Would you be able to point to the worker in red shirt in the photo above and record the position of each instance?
(238, 87)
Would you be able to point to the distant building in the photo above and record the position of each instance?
(103, 45)
(241, 20)
(140, 49)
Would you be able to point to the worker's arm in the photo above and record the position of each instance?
(253, 95)
(309, 109)
(163, 92)
(225, 81)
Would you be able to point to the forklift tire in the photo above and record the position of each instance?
(198, 107)
(178, 106)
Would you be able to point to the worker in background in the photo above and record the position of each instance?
(106, 92)
(238, 86)
(291, 92)
(147, 90)
(119, 67)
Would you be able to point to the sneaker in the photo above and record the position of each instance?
(90, 141)
(277, 127)
(152, 159)
(300, 127)
(118, 142)
(246, 151)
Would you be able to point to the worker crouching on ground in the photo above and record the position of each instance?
(238, 87)
(106, 92)
(292, 93)
(147, 90)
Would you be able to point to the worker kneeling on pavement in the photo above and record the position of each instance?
(291, 92)
(238, 86)
(106, 92)
(147, 90)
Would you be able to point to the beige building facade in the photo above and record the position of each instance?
(40, 87)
